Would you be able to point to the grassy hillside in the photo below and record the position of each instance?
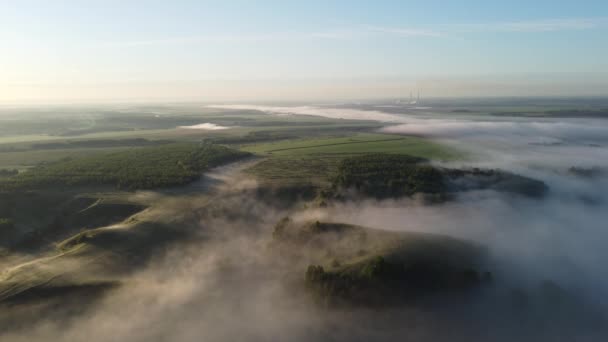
(34, 220)
(357, 265)
(316, 160)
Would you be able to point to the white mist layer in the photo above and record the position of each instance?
(332, 113)
(205, 126)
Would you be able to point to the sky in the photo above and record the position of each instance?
(299, 50)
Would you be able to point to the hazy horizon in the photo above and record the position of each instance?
(93, 51)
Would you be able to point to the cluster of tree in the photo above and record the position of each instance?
(386, 175)
(589, 172)
(7, 231)
(492, 179)
(286, 230)
(76, 132)
(116, 121)
(578, 113)
(138, 168)
(98, 143)
(8, 172)
(6, 223)
(361, 266)
(561, 113)
(378, 281)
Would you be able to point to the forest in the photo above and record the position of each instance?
(385, 175)
(137, 168)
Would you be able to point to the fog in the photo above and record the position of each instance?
(332, 113)
(228, 285)
(205, 126)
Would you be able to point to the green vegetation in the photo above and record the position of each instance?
(269, 134)
(361, 143)
(559, 113)
(376, 281)
(98, 143)
(69, 221)
(138, 168)
(587, 172)
(8, 172)
(59, 208)
(316, 160)
(384, 176)
(362, 266)
(34, 219)
(23, 160)
(490, 179)
(7, 231)
(380, 175)
(289, 170)
(6, 223)
(30, 137)
(91, 258)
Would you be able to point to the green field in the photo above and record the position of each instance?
(27, 159)
(316, 160)
(296, 148)
(25, 135)
(362, 143)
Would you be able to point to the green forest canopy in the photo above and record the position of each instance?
(137, 168)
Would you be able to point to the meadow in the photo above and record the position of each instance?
(30, 136)
(316, 160)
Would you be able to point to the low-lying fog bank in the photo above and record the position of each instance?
(232, 287)
(546, 257)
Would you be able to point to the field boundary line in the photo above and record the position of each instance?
(334, 144)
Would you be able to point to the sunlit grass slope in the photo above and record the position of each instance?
(316, 160)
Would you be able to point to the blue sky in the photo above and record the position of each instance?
(77, 49)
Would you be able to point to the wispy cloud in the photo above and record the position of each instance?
(543, 25)
(530, 26)
(404, 32)
(242, 38)
(338, 34)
